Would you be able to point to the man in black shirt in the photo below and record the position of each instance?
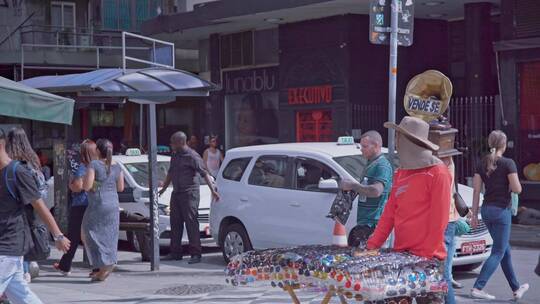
(15, 238)
(184, 172)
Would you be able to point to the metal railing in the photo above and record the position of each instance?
(369, 117)
(475, 118)
(79, 39)
(81, 36)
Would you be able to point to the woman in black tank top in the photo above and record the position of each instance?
(499, 175)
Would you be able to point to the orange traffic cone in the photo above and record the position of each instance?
(340, 235)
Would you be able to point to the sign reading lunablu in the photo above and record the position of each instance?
(379, 22)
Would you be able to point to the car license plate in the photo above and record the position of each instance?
(473, 247)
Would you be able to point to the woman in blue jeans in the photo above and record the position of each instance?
(499, 175)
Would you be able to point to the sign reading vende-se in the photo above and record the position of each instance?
(310, 95)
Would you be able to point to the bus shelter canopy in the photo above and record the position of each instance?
(149, 85)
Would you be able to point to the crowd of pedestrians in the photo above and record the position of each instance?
(416, 201)
(93, 216)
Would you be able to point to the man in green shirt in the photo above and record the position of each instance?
(379, 173)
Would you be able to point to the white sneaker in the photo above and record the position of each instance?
(480, 294)
(521, 291)
(456, 284)
(33, 269)
(27, 278)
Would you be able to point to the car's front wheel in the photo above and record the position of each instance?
(235, 241)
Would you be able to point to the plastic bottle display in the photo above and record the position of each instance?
(363, 275)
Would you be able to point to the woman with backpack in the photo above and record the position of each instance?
(499, 175)
(103, 180)
(19, 148)
(79, 202)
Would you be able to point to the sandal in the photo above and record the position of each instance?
(102, 274)
(93, 272)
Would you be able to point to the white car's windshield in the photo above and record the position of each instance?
(139, 171)
(353, 164)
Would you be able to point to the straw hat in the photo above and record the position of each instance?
(416, 131)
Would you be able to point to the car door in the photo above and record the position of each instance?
(269, 198)
(313, 204)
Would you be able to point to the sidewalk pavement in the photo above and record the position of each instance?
(525, 236)
(178, 282)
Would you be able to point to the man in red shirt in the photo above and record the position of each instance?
(419, 202)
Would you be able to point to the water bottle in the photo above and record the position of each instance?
(363, 197)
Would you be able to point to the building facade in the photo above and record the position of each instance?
(330, 80)
(75, 36)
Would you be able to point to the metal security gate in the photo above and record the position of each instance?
(474, 117)
(370, 117)
(314, 126)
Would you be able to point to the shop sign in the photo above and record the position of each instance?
(310, 95)
(252, 80)
(380, 14)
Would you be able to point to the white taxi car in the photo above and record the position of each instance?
(279, 196)
(135, 198)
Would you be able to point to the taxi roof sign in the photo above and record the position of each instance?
(133, 152)
(345, 140)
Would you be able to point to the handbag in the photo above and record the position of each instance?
(40, 240)
(39, 249)
(459, 202)
(342, 205)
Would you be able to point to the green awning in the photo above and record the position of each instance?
(21, 101)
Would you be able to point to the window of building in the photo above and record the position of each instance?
(271, 171)
(236, 49)
(252, 119)
(63, 14)
(128, 15)
(235, 169)
(310, 172)
(529, 126)
(266, 46)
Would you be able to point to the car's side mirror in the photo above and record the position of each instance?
(328, 184)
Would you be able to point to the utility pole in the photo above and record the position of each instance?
(392, 75)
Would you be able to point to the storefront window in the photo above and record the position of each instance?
(251, 107)
(530, 120)
(252, 119)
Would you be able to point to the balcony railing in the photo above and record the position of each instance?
(33, 38)
(78, 36)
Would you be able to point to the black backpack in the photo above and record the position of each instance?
(40, 249)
